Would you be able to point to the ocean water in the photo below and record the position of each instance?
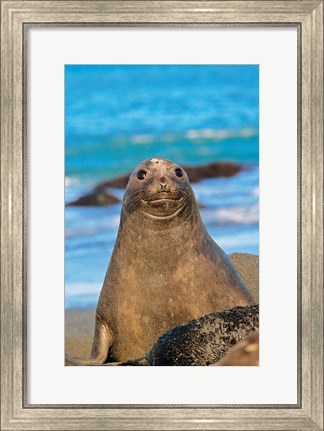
(117, 116)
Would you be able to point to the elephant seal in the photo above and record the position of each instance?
(202, 341)
(165, 269)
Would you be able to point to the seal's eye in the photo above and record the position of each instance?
(179, 172)
(141, 175)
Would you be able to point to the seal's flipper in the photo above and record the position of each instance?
(102, 343)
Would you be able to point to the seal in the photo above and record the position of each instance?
(202, 341)
(165, 269)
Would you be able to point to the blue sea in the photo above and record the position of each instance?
(118, 115)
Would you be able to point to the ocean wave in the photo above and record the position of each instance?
(208, 134)
(81, 295)
(71, 181)
(112, 223)
(191, 135)
(113, 156)
(222, 134)
(256, 192)
(81, 289)
(235, 215)
(244, 242)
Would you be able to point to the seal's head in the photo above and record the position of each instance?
(159, 189)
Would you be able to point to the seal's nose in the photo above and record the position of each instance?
(163, 184)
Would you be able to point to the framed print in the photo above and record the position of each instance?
(88, 91)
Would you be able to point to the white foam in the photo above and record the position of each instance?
(74, 289)
(222, 134)
(215, 134)
(242, 215)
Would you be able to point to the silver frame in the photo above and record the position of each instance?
(16, 17)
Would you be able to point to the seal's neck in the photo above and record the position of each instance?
(156, 230)
(159, 243)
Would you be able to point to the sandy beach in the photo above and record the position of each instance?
(79, 324)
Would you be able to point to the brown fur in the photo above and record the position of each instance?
(165, 269)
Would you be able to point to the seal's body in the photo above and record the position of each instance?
(202, 341)
(165, 269)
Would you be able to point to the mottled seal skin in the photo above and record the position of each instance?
(165, 269)
(202, 341)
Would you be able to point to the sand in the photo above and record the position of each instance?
(79, 330)
(248, 268)
(79, 324)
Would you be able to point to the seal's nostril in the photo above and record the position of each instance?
(163, 183)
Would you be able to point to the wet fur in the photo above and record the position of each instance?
(202, 341)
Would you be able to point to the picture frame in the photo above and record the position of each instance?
(307, 17)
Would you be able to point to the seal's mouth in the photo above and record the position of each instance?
(162, 205)
(162, 196)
